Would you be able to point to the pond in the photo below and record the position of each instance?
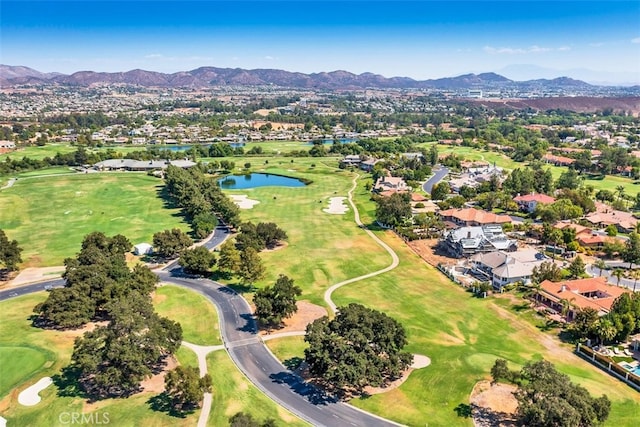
(253, 180)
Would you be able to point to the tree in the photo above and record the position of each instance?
(229, 259)
(600, 265)
(631, 253)
(171, 243)
(433, 155)
(577, 267)
(270, 234)
(185, 387)
(251, 267)
(612, 230)
(393, 210)
(549, 398)
(66, 308)
(273, 304)
(618, 273)
(203, 224)
(547, 270)
(246, 420)
(9, 252)
(198, 260)
(500, 371)
(605, 329)
(112, 360)
(440, 191)
(585, 323)
(359, 347)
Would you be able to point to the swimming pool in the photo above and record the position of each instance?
(631, 368)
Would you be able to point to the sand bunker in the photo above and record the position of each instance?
(336, 206)
(420, 361)
(243, 201)
(30, 396)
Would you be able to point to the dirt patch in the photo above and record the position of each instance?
(306, 314)
(73, 333)
(425, 249)
(155, 384)
(493, 405)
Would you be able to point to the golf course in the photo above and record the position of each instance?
(462, 335)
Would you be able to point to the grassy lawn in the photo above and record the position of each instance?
(50, 216)
(322, 249)
(59, 170)
(195, 313)
(39, 153)
(288, 349)
(233, 393)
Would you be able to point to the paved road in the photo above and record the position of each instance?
(624, 282)
(438, 175)
(5, 294)
(253, 358)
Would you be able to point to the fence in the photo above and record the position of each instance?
(608, 365)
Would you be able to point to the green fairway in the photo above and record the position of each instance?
(38, 153)
(233, 393)
(322, 248)
(60, 170)
(50, 216)
(195, 313)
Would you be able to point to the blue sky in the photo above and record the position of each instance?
(419, 39)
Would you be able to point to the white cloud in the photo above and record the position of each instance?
(269, 58)
(599, 44)
(520, 51)
(636, 40)
(154, 56)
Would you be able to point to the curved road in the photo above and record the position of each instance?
(438, 175)
(251, 356)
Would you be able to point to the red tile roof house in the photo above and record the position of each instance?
(624, 221)
(473, 217)
(558, 160)
(593, 292)
(528, 202)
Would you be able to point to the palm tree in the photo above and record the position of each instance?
(618, 273)
(620, 191)
(635, 275)
(605, 329)
(600, 265)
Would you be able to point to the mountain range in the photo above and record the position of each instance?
(204, 77)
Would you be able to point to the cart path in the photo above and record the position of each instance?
(394, 257)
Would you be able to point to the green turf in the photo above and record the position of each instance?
(195, 313)
(18, 363)
(232, 393)
(50, 216)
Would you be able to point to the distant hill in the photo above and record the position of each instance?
(211, 76)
